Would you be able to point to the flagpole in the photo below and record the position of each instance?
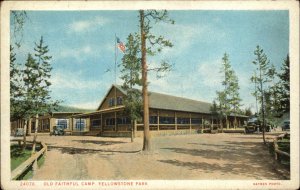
(115, 101)
(115, 58)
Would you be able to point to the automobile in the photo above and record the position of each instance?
(254, 124)
(286, 125)
(19, 132)
(58, 130)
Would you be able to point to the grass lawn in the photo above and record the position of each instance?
(18, 156)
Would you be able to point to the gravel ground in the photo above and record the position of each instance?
(198, 157)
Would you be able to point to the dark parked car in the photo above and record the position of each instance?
(58, 130)
(254, 123)
(19, 132)
(286, 125)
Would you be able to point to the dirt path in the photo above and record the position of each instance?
(203, 156)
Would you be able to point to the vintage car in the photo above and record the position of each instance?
(58, 130)
(254, 124)
(286, 125)
(19, 132)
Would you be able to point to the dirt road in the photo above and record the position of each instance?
(202, 156)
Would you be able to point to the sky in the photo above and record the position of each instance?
(82, 46)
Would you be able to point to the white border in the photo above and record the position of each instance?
(293, 8)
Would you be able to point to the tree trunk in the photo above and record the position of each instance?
(146, 144)
(24, 135)
(227, 122)
(132, 129)
(221, 125)
(235, 122)
(35, 133)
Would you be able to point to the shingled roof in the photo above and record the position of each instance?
(168, 102)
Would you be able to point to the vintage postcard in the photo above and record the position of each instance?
(150, 95)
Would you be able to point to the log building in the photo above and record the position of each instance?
(168, 115)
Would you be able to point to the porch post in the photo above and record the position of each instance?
(134, 128)
(116, 121)
(29, 126)
(202, 123)
(50, 124)
(101, 124)
(42, 124)
(175, 121)
(158, 120)
(190, 123)
(72, 124)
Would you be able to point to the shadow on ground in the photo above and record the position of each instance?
(242, 158)
(99, 142)
(232, 150)
(234, 168)
(72, 150)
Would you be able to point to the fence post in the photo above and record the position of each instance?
(34, 166)
(275, 148)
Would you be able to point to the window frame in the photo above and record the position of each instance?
(58, 120)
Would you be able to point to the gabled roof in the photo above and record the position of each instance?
(168, 102)
(112, 86)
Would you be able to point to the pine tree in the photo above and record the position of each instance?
(15, 88)
(36, 99)
(235, 100)
(284, 87)
(156, 44)
(248, 112)
(18, 20)
(223, 96)
(131, 75)
(43, 103)
(228, 99)
(263, 78)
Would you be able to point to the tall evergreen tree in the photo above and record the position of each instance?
(16, 111)
(223, 95)
(248, 112)
(43, 103)
(228, 99)
(155, 45)
(131, 76)
(284, 87)
(36, 93)
(234, 100)
(18, 20)
(271, 95)
(253, 79)
(263, 78)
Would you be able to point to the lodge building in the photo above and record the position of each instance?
(167, 115)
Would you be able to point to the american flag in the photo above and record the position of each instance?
(120, 45)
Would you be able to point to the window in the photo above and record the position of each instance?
(166, 120)
(119, 100)
(181, 120)
(111, 102)
(110, 121)
(96, 123)
(123, 120)
(153, 119)
(46, 124)
(62, 122)
(196, 121)
(80, 124)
